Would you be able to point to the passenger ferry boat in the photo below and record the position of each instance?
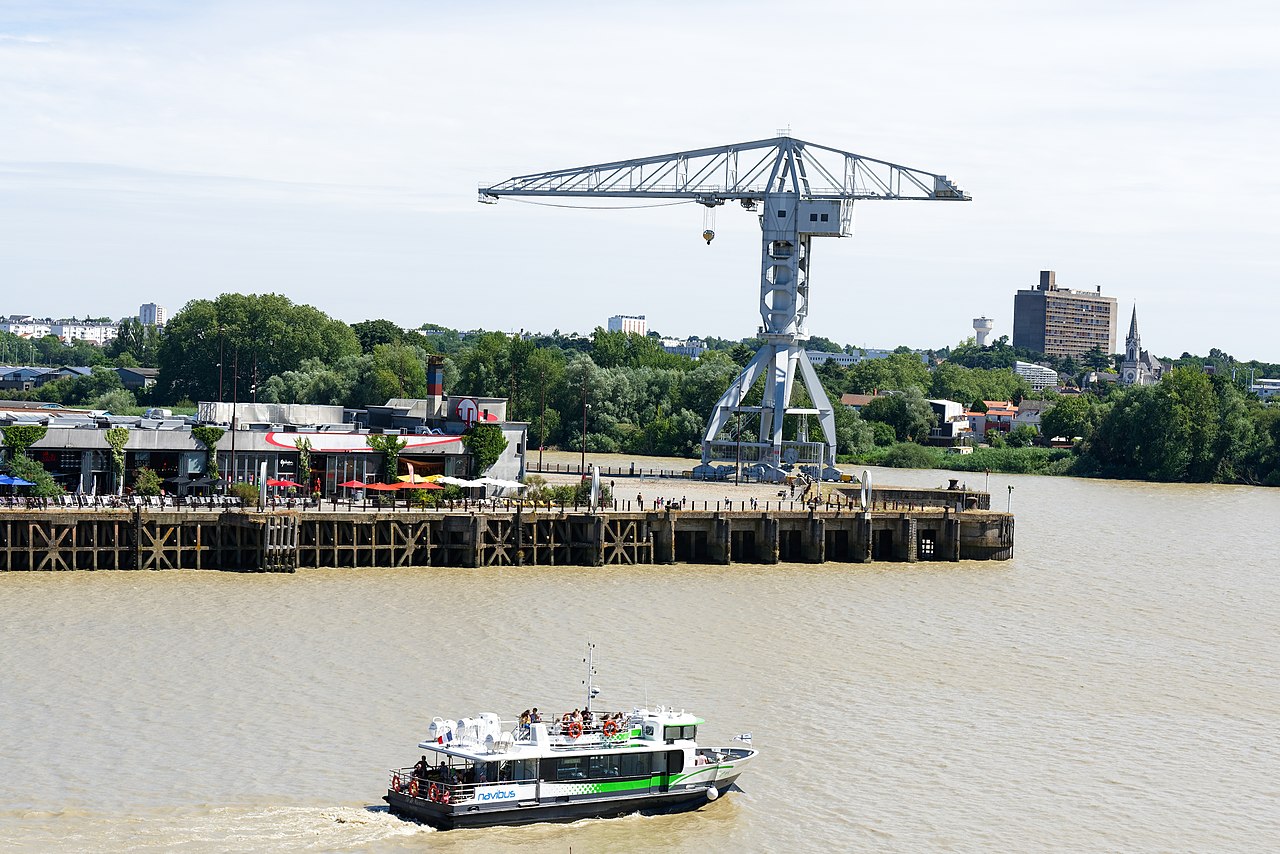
(482, 771)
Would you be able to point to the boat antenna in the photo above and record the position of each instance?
(592, 690)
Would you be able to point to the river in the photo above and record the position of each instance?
(1114, 687)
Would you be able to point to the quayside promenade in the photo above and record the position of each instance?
(898, 525)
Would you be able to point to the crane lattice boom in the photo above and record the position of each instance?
(803, 191)
(746, 171)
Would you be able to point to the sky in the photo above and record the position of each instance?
(331, 152)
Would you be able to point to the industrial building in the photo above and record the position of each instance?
(629, 323)
(1062, 322)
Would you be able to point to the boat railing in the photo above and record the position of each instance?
(430, 787)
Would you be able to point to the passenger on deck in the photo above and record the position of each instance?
(586, 718)
(422, 769)
(534, 717)
(525, 719)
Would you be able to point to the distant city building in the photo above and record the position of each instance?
(628, 323)
(1061, 322)
(1138, 367)
(981, 329)
(1264, 388)
(151, 314)
(951, 424)
(26, 326)
(1038, 376)
(71, 331)
(692, 347)
(845, 360)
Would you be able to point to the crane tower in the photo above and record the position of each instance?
(800, 191)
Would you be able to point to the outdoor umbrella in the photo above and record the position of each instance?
(5, 480)
(206, 481)
(17, 481)
(381, 487)
(457, 481)
(421, 485)
(287, 484)
(354, 484)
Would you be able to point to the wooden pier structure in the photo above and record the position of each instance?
(286, 540)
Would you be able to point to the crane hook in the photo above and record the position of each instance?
(708, 235)
(709, 224)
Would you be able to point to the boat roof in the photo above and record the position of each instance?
(538, 741)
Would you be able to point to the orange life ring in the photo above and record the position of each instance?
(445, 797)
(395, 781)
(610, 727)
(575, 729)
(413, 788)
(434, 792)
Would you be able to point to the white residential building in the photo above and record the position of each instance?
(151, 314)
(26, 326)
(1038, 376)
(628, 323)
(691, 347)
(845, 360)
(1265, 389)
(71, 331)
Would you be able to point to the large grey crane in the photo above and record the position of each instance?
(801, 191)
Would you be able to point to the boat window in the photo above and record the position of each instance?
(675, 761)
(673, 732)
(635, 764)
(568, 768)
(602, 766)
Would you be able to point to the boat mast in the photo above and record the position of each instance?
(592, 691)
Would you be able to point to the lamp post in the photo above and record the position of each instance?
(737, 467)
(542, 420)
(582, 468)
(235, 396)
(1009, 509)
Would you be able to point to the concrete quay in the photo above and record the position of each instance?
(287, 540)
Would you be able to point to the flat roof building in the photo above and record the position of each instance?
(1062, 322)
(629, 323)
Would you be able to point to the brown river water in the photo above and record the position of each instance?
(1114, 687)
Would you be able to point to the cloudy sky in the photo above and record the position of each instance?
(166, 151)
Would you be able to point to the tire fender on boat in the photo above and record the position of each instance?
(712, 793)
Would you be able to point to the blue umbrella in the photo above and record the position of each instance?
(5, 480)
(17, 481)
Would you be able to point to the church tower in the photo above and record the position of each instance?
(1138, 367)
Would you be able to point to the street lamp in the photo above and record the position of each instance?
(582, 468)
(542, 420)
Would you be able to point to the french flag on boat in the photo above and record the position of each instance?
(445, 739)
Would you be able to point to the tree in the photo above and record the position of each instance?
(117, 401)
(135, 342)
(1074, 416)
(209, 436)
(43, 484)
(252, 336)
(117, 438)
(907, 412)
(485, 443)
(390, 446)
(897, 371)
(371, 333)
(1022, 436)
(19, 437)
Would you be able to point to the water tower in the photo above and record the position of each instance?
(982, 328)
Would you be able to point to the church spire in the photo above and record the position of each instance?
(1133, 324)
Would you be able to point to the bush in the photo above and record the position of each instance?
(909, 455)
(246, 492)
(146, 482)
